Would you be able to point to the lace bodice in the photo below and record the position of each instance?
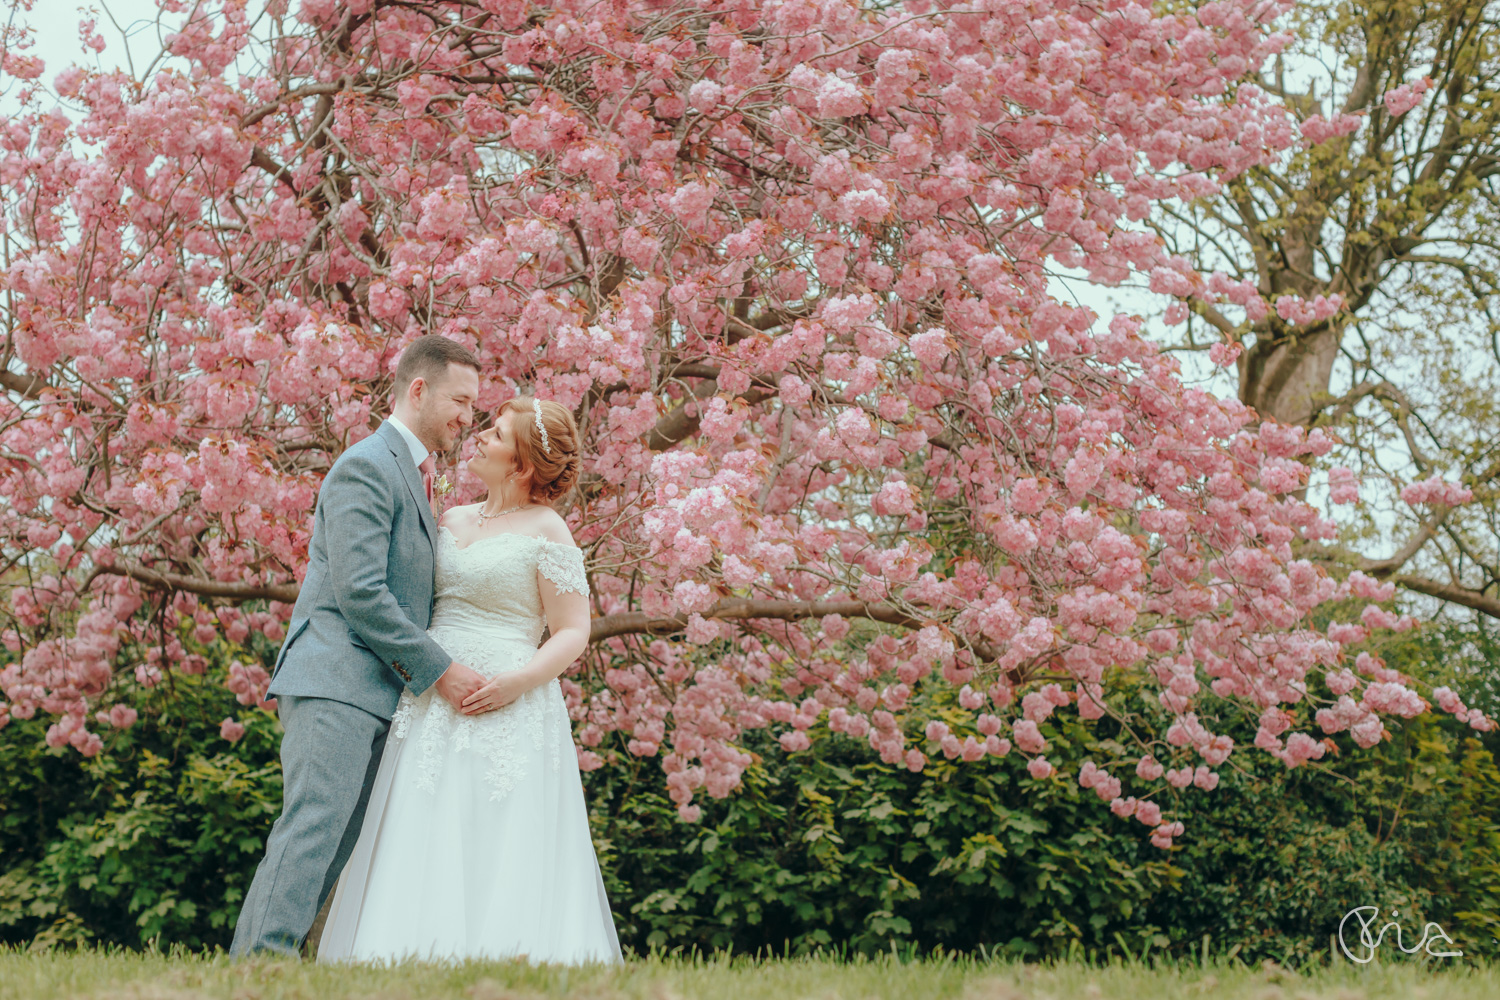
(491, 584)
(489, 616)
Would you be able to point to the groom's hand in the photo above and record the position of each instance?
(457, 683)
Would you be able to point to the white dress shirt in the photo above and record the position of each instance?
(419, 450)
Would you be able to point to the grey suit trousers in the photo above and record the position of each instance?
(329, 757)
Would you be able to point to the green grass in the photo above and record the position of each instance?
(132, 976)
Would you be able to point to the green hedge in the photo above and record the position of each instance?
(831, 848)
(157, 838)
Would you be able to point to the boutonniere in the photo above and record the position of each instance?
(442, 487)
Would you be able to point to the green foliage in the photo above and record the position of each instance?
(831, 848)
(157, 838)
(154, 839)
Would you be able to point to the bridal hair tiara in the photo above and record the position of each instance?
(536, 407)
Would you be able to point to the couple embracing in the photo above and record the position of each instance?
(428, 763)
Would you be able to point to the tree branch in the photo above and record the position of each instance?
(284, 592)
(638, 623)
(311, 90)
(30, 386)
(260, 158)
(1451, 592)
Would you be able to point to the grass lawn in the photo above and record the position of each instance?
(88, 975)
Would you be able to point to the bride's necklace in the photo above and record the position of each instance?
(483, 517)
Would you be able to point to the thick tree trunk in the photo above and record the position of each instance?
(1286, 378)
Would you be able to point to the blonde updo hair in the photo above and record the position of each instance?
(554, 471)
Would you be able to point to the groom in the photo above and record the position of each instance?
(357, 637)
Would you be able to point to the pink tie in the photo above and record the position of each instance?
(428, 469)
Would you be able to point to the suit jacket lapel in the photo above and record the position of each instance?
(397, 444)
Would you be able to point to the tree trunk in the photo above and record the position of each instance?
(1286, 378)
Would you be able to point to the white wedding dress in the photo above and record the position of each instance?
(476, 841)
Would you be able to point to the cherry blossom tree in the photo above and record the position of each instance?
(787, 260)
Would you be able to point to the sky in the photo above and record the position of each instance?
(55, 23)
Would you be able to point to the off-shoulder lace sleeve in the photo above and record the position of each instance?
(563, 565)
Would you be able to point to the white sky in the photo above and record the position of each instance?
(55, 26)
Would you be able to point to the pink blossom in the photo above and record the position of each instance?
(1342, 681)
(704, 95)
(1343, 485)
(1039, 768)
(1028, 737)
(1296, 310)
(1225, 354)
(863, 205)
(700, 630)
(1317, 129)
(839, 98)
(1370, 589)
(1162, 836)
(1368, 731)
(1398, 101)
(1090, 701)
(1448, 700)
(894, 498)
(1434, 490)
(1301, 747)
(930, 347)
(690, 204)
(231, 730)
(1088, 774)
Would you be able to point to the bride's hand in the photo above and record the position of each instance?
(497, 692)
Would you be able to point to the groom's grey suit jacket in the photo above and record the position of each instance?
(358, 630)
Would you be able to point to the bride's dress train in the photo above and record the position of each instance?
(476, 841)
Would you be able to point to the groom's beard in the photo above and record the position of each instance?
(437, 436)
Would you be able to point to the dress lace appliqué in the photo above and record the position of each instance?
(489, 616)
(563, 565)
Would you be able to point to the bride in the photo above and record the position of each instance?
(476, 842)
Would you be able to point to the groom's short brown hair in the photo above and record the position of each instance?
(428, 358)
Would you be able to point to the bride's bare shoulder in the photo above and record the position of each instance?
(551, 526)
(458, 517)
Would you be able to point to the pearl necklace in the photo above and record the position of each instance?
(483, 517)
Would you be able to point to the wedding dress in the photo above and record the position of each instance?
(476, 840)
